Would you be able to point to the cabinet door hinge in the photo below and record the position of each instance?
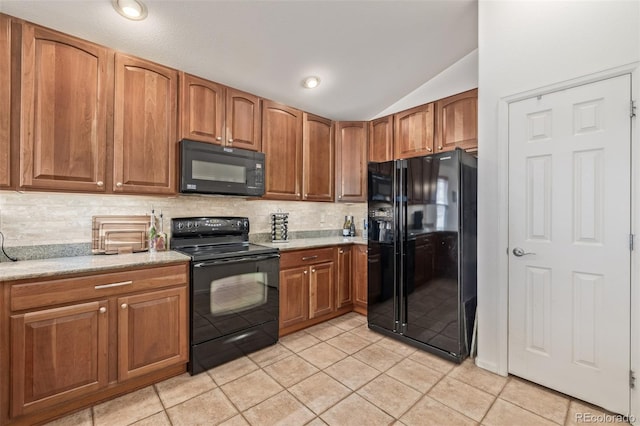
(632, 379)
(633, 109)
(631, 237)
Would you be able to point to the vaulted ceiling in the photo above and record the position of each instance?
(369, 54)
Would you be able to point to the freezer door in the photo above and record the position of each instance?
(382, 309)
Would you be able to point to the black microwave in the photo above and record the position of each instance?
(213, 169)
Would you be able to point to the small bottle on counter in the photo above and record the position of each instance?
(152, 232)
(346, 227)
(352, 229)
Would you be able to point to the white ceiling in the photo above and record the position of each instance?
(368, 54)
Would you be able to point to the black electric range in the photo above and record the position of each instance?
(234, 289)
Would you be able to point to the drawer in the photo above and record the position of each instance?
(72, 289)
(291, 259)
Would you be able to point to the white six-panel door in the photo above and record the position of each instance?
(569, 222)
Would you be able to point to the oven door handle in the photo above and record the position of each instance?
(236, 260)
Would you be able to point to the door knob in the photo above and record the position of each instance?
(123, 306)
(518, 252)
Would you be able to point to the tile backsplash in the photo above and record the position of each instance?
(40, 218)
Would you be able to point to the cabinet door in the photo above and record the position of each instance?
(5, 101)
(457, 122)
(282, 146)
(360, 277)
(345, 277)
(145, 137)
(57, 355)
(318, 153)
(351, 160)
(63, 112)
(413, 132)
(152, 331)
(201, 109)
(381, 139)
(243, 120)
(294, 296)
(322, 289)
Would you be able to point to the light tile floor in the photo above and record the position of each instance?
(339, 373)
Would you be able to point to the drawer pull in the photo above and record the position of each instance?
(120, 284)
(310, 257)
(305, 272)
(102, 310)
(313, 270)
(123, 306)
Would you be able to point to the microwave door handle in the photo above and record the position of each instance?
(236, 260)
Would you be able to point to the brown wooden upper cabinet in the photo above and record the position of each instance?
(5, 102)
(457, 122)
(413, 131)
(211, 112)
(63, 111)
(282, 146)
(351, 161)
(145, 128)
(381, 139)
(318, 158)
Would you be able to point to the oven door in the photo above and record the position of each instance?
(234, 294)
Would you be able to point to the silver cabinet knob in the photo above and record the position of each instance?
(123, 306)
(518, 252)
(305, 272)
(100, 183)
(297, 194)
(440, 147)
(339, 197)
(341, 251)
(230, 140)
(313, 270)
(306, 195)
(219, 138)
(429, 149)
(102, 310)
(119, 184)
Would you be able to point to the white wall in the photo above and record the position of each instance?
(459, 77)
(525, 45)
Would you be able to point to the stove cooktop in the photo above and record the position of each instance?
(209, 238)
(222, 251)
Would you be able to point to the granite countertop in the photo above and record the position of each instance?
(24, 269)
(304, 243)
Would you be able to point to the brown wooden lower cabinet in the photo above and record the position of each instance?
(360, 288)
(319, 284)
(308, 293)
(79, 339)
(345, 277)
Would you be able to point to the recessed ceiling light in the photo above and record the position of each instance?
(310, 82)
(130, 9)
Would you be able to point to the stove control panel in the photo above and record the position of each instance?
(185, 226)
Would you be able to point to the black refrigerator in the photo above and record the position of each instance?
(422, 251)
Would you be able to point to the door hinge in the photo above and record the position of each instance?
(633, 109)
(631, 236)
(632, 379)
